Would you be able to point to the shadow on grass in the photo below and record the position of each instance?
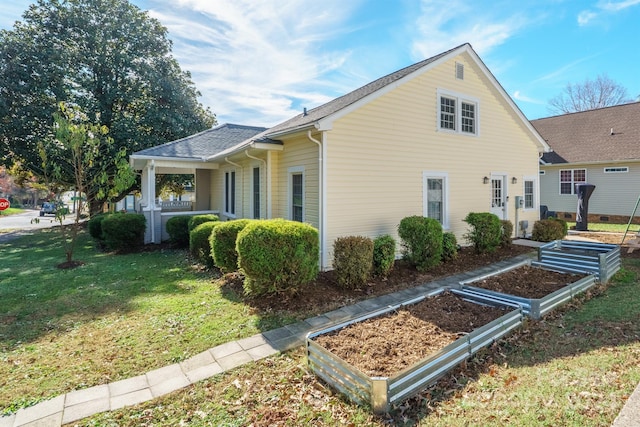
(37, 298)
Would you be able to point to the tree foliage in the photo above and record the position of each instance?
(589, 95)
(106, 56)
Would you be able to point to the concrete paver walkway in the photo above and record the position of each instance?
(79, 404)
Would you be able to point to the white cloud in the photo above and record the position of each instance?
(585, 17)
(518, 96)
(616, 6)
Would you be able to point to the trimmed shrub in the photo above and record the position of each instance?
(507, 230)
(352, 261)
(199, 242)
(384, 255)
(421, 241)
(196, 220)
(95, 227)
(277, 256)
(223, 244)
(547, 230)
(486, 231)
(123, 232)
(449, 246)
(178, 230)
(565, 226)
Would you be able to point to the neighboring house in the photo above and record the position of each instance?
(440, 138)
(599, 147)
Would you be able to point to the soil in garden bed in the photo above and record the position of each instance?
(527, 282)
(385, 345)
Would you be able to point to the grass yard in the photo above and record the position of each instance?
(608, 227)
(574, 368)
(112, 318)
(11, 211)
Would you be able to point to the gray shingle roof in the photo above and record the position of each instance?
(204, 144)
(587, 136)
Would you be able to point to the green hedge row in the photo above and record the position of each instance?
(118, 232)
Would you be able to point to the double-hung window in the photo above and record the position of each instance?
(569, 178)
(529, 193)
(255, 189)
(435, 196)
(296, 194)
(457, 113)
(230, 192)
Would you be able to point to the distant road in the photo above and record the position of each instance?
(22, 223)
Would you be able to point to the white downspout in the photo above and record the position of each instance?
(322, 198)
(264, 162)
(226, 159)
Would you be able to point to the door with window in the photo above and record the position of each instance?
(498, 196)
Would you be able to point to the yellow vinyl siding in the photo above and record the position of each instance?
(298, 152)
(376, 156)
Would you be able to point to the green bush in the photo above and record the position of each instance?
(123, 232)
(565, 226)
(421, 241)
(196, 220)
(95, 227)
(223, 244)
(384, 255)
(352, 261)
(548, 230)
(199, 242)
(485, 233)
(178, 230)
(449, 246)
(507, 230)
(277, 256)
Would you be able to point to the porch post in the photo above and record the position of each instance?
(150, 210)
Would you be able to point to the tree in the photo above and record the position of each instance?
(107, 57)
(589, 95)
(74, 154)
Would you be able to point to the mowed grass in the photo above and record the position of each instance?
(576, 367)
(608, 227)
(115, 317)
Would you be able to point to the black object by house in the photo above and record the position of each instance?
(584, 192)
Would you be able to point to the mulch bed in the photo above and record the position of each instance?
(385, 345)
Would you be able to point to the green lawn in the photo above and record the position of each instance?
(611, 228)
(119, 316)
(114, 317)
(11, 211)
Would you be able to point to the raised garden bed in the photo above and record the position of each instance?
(537, 290)
(387, 356)
(601, 259)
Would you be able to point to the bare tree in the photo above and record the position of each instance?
(588, 95)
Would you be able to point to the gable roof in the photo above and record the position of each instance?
(203, 144)
(602, 135)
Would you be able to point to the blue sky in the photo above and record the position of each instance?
(262, 62)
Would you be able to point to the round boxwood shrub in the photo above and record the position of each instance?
(384, 255)
(352, 261)
(449, 246)
(277, 256)
(196, 220)
(548, 230)
(421, 241)
(486, 231)
(199, 243)
(178, 230)
(507, 230)
(95, 227)
(124, 232)
(223, 244)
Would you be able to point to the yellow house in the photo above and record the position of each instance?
(440, 138)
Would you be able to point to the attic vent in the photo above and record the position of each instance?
(459, 71)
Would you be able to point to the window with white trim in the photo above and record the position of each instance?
(457, 113)
(230, 192)
(529, 193)
(435, 196)
(296, 194)
(255, 190)
(620, 169)
(569, 178)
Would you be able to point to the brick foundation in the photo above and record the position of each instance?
(599, 218)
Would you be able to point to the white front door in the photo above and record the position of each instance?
(498, 196)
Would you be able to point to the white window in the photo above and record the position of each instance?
(569, 178)
(255, 190)
(457, 113)
(621, 169)
(529, 193)
(230, 193)
(296, 194)
(436, 196)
